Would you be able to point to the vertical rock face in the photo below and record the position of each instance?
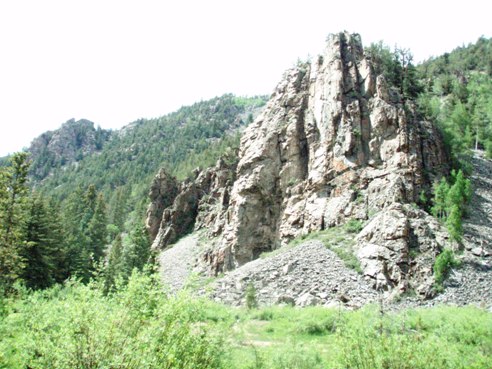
(162, 193)
(177, 208)
(335, 143)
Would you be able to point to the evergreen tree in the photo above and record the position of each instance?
(57, 236)
(13, 208)
(119, 208)
(40, 251)
(77, 255)
(90, 202)
(114, 267)
(85, 217)
(96, 230)
(453, 223)
(137, 252)
(450, 202)
(440, 193)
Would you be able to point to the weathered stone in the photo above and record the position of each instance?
(307, 299)
(477, 251)
(285, 299)
(163, 191)
(176, 209)
(333, 143)
(288, 268)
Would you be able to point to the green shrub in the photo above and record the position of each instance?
(450, 202)
(317, 327)
(354, 226)
(135, 327)
(443, 264)
(251, 302)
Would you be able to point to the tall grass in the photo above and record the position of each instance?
(138, 326)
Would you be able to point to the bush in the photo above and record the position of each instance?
(251, 302)
(450, 202)
(135, 327)
(443, 264)
(354, 226)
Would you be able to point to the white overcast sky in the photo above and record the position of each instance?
(113, 62)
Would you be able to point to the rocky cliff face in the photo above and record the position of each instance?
(177, 208)
(71, 142)
(334, 143)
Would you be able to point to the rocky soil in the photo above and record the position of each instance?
(308, 274)
(311, 274)
(176, 263)
(472, 282)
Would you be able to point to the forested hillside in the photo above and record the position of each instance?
(122, 170)
(88, 188)
(72, 142)
(457, 94)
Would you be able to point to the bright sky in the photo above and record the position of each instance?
(113, 62)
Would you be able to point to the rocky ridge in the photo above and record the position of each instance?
(334, 143)
(310, 274)
(68, 144)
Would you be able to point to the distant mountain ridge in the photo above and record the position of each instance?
(70, 143)
(125, 160)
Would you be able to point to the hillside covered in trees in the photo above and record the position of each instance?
(457, 94)
(124, 164)
(87, 189)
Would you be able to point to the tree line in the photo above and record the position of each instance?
(43, 242)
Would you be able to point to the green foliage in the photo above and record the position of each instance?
(80, 138)
(443, 264)
(354, 226)
(138, 326)
(315, 337)
(114, 268)
(181, 141)
(397, 68)
(125, 257)
(450, 202)
(76, 326)
(458, 97)
(43, 253)
(13, 216)
(96, 229)
(251, 302)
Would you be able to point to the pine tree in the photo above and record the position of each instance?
(137, 253)
(118, 208)
(453, 223)
(13, 208)
(441, 190)
(90, 202)
(77, 257)
(96, 230)
(57, 236)
(114, 266)
(39, 253)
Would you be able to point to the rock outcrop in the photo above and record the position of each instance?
(334, 143)
(163, 191)
(176, 209)
(70, 143)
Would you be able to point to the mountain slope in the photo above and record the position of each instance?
(125, 161)
(334, 144)
(72, 142)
